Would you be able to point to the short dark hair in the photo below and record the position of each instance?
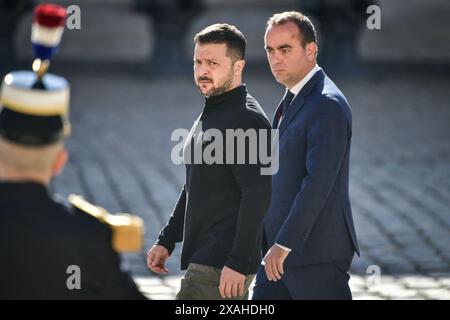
(224, 33)
(305, 26)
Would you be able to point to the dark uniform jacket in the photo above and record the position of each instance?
(44, 246)
(221, 207)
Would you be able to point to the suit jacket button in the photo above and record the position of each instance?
(306, 235)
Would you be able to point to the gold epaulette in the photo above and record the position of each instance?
(127, 229)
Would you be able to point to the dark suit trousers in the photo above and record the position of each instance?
(325, 281)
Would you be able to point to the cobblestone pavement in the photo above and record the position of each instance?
(363, 288)
(400, 167)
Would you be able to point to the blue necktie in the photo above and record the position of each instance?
(284, 105)
(286, 102)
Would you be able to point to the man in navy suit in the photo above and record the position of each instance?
(309, 235)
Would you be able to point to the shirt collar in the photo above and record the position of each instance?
(299, 86)
(227, 97)
(23, 191)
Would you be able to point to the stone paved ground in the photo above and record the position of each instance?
(400, 167)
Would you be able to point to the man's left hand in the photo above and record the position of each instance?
(274, 261)
(231, 283)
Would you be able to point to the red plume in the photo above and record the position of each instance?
(50, 15)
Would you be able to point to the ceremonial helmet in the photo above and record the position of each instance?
(34, 105)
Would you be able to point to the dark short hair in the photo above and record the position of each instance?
(224, 33)
(305, 26)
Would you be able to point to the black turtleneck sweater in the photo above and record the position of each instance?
(219, 214)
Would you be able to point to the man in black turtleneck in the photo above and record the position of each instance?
(219, 214)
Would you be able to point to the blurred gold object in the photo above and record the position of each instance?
(127, 229)
(40, 67)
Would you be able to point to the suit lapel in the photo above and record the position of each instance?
(299, 101)
(295, 107)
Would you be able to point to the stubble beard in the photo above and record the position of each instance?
(222, 89)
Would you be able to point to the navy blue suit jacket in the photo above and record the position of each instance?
(310, 210)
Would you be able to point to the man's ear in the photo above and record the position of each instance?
(311, 51)
(239, 66)
(60, 161)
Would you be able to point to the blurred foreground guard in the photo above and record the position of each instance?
(49, 250)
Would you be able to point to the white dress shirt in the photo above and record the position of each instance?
(299, 86)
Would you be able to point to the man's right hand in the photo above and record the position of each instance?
(156, 259)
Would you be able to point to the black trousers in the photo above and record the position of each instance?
(325, 281)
